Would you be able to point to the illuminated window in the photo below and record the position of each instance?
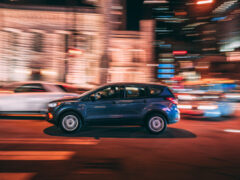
(37, 42)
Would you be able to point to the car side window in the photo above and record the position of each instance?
(30, 88)
(155, 91)
(135, 92)
(110, 92)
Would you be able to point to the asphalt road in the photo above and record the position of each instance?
(190, 149)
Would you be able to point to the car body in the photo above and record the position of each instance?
(207, 98)
(117, 104)
(206, 105)
(232, 95)
(29, 97)
(71, 88)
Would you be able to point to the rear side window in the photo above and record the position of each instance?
(155, 92)
(30, 88)
(167, 92)
(135, 92)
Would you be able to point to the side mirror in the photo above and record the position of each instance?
(92, 98)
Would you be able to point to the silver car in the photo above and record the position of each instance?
(29, 97)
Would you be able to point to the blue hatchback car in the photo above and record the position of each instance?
(151, 105)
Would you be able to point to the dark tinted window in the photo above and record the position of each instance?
(110, 92)
(30, 88)
(155, 91)
(135, 92)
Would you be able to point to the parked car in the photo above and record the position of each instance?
(29, 97)
(151, 105)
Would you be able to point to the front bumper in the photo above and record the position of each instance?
(51, 119)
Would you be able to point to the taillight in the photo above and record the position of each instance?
(172, 99)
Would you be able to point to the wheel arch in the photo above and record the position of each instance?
(69, 110)
(156, 112)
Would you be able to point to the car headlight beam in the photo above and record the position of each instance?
(207, 107)
(54, 104)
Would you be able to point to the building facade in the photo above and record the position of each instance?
(79, 45)
(131, 55)
(36, 43)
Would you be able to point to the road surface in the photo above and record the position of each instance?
(190, 149)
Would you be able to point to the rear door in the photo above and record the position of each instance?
(133, 103)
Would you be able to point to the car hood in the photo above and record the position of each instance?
(67, 99)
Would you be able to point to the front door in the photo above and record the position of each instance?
(102, 107)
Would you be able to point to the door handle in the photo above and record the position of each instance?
(124, 101)
(100, 107)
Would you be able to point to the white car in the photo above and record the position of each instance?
(29, 97)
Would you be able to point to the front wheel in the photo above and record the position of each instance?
(156, 123)
(70, 122)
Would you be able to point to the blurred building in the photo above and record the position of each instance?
(194, 38)
(219, 39)
(131, 54)
(44, 43)
(130, 49)
(71, 42)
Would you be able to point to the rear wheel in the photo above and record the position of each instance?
(156, 123)
(70, 122)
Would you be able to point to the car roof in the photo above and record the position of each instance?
(134, 83)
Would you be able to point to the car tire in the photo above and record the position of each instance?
(156, 123)
(70, 122)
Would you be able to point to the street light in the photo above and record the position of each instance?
(204, 2)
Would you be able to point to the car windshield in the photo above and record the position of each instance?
(53, 88)
(91, 91)
(11, 86)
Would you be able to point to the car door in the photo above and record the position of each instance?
(11, 102)
(23, 98)
(133, 103)
(33, 95)
(102, 108)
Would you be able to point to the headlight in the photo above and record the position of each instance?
(186, 97)
(181, 106)
(207, 107)
(54, 104)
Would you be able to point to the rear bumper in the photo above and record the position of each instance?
(175, 118)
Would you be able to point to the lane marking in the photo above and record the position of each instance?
(48, 141)
(24, 115)
(93, 171)
(36, 155)
(16, 176)
(232, 130)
